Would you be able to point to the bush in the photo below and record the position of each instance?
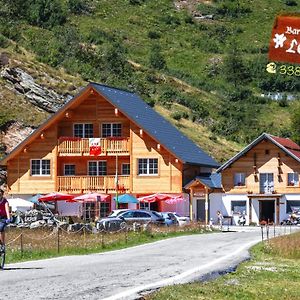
(157, 60)
(78, 6)
(291, 3)
(3, 41)
(177, 115)
(153, 35)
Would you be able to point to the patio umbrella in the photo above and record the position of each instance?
(127, 198)
(155, 197)
(175, 199)
(56, 197)
(19, 204)
(93, 197)
(35, 198)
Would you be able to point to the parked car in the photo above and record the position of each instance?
(128, 217)
(173, 218)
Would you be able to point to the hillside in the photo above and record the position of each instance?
(201, 64)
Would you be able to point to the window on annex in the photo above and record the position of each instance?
(84, 130)
(40, 167)
(238, 207)
(97, 168)
(69, 170)
(147, 166)
(104, 209)
(293, 179)
(292, 206)
(126, 169)
(111, 130)
(239, 179)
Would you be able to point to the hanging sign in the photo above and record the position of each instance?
(95, 148)
(285, 40)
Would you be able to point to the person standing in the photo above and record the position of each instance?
(4, 219)
(220, 219)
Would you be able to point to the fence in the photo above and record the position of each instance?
(269, 231)
(22, 242)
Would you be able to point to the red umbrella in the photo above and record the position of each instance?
(56, 197)
(155, 197)
(93, 197)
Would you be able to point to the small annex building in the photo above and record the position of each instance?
(261, 181)
(100, 134)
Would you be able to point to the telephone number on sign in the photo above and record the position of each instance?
(283, 69)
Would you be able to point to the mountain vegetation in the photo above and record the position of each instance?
(202, 64)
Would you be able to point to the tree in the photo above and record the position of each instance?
(157, 60)
(234, 67)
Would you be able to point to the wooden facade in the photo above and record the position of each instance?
(263, 180)
(263, 158)
(55, 141)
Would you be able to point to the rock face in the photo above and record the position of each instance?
(21, 82)
(13, 135)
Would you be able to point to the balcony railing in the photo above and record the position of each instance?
(70, 146)
(85, 184)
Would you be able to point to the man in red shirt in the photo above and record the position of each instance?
(4, 219)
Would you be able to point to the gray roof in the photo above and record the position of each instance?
(133, 107)
(211, 180)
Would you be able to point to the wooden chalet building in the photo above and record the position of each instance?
(262, 181)
(146, 151)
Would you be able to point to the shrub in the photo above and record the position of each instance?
(177, 115)
(153, 35)
(291, 3)
(157, 60)
(78, 6)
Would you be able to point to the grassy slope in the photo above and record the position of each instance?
(184, 47)
(269, 275)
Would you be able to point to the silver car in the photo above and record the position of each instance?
(128, 217)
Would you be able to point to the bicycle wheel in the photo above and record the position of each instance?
(2, 260)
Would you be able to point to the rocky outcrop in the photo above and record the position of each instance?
(14, 134)
(21, 82)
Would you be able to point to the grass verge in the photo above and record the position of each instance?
(272, 273)
(26, 244)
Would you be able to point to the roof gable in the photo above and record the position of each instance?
(156, 126)
(135, 109)
(285, 144)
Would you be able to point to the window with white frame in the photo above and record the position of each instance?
(145, 205)
(84, 130)
(147, 166)
(239, 179)
(111, 130)
(97, 168)
(238, 207)
(125, 169)
(69, 170)
(293, 179)
(40, 167)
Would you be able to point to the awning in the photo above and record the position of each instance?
(53, 197)
(161, 197)
(92, 197)
(127, 198)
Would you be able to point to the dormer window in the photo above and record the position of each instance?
(293, 179)
(239, 179)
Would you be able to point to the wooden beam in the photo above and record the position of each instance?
(206, 205)
(250, 210)
(191, 203)
(277, 210)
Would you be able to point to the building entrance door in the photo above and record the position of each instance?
(267, 211)
(201, 210)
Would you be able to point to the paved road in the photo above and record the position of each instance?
(122, 274)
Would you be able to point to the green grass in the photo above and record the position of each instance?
(270, 274)
(37, 244)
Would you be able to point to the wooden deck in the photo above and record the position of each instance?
(69, 146)
(84, 184)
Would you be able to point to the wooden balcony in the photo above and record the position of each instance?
(70, 146)
(85, 184)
